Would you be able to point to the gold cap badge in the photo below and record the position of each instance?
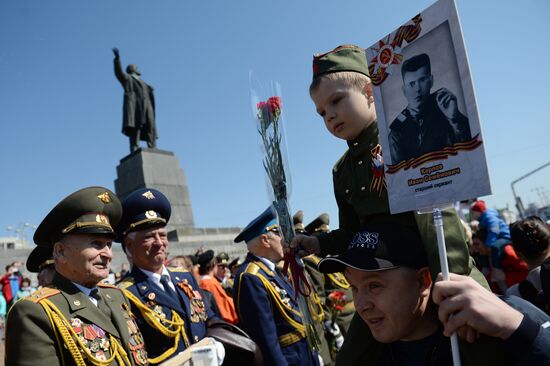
(149, 195)
(151, 214)
(104, 197)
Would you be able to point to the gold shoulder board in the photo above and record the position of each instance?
(128, 281)
(176, 269)
(312, 258)
(252, 268)
(42, 294)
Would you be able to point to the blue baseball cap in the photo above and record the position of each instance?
(378, 247)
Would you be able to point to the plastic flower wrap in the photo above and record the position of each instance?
(268, 115)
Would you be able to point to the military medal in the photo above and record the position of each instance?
(76, 324)
(158, 311)
(283, 294)
(100, 332)
(187, 289)
(198, 309)
(100, 355)
(140, 356)
(90, 333)
(94, 346)
(132, 327)
(104, 344)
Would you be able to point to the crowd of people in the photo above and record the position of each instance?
(375, 294)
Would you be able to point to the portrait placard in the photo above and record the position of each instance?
(427, 114)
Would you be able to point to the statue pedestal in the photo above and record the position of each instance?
(158, 169)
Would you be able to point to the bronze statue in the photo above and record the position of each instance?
(138, 121)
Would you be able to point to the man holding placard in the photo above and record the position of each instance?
(395, 295)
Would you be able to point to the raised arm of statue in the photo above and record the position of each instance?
(119, 73)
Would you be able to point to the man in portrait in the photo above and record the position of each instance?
(431, 121)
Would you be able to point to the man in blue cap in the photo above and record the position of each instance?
(265, 299)
(168, 305)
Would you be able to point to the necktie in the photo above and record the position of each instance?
(100, 302)
(165, 280)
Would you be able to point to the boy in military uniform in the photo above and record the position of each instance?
(76, 320)
(265, 299)
(167, 303)
(343, 96)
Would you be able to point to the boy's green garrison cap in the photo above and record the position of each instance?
(342, 58)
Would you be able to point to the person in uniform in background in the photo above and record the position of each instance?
(167, 302)
(265, 299)
(333, 283)
(412, 318)
(207, 282)
(41, 261)
(223, 274)
(330, 338)
(234, 266)
(77, 319)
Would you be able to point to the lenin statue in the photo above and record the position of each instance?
(138, 121)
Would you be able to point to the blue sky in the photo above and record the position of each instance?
(61, 106)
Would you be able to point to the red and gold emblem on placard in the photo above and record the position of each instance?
(388, 52)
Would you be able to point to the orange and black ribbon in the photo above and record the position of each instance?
(378, 183)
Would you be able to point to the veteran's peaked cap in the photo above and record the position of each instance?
(91, 210)
(257, 226)
(143, 208)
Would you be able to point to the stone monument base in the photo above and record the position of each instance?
(158, 169)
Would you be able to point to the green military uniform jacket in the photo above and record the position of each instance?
(58, 323)
(359, 204)
(322, 286)
(325, 284)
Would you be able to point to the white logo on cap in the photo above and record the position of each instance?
(364, 238)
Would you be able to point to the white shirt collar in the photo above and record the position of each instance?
(267, 262)
(155, 277)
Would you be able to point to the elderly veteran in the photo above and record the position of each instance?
(265, 299)
(76, 320)
(411, 317)
(167, 303)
